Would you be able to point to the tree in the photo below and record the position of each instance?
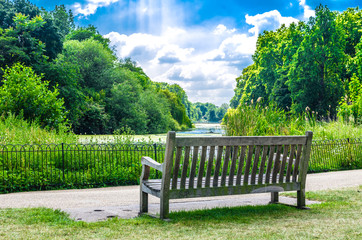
(125, 108)
(24, 93)
(315, 75)
(18, 44)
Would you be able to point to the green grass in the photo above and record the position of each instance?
(338, 217)
(15, 130)
(256, 120)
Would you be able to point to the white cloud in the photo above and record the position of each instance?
(90, 7)
(268, 21)
(308, 12)
(220, 29)
(204, 61)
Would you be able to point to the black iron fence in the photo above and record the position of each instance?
(35, 167)
(340, 154)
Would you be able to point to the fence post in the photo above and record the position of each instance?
(155, 151)
(63, 162)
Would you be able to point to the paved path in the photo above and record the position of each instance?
(102, 203)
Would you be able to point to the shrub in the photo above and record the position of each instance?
(24, 93)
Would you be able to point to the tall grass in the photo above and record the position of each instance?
(15, 130)
(256, 120)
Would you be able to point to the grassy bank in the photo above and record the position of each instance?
(256, 120)
(15, 130)
(338, 217)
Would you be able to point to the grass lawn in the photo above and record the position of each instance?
(338, 217)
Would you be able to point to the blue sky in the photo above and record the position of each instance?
(202, 45)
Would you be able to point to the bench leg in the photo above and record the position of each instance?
(301, 198)
(274, 197)
(143, 202)
(164, 207)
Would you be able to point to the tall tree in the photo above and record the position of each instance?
(315, 75)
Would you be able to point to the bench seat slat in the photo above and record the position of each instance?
(155, 184)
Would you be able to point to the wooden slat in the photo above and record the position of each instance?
(239, 141)
(200, 175)
(296, 164)
(240, 166)
(262, 164)
(193, 166)
(225, 165)
(176, 167)
(255, 164)
(155, 184)
(233, 164)
(290, 163)
(276, 164)
(166, 174)
(217, 165)
(233, 190)
(282, 168)
(209, 166)
(248, 164)
(270, 164)
(185, 167)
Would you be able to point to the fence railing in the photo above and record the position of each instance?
(340, 154)
(34, 167)
(31, 167)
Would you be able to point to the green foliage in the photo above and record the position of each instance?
(352, 107)
(56, 24)
(24, 93)
(309, 64)
(15, 130)
(101, 93)
(256, 120)
(209, 112)
(18, 44)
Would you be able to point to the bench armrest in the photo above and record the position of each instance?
(151, 163)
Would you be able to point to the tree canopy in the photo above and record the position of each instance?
(77, 76)
(309, 65)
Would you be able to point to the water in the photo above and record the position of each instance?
(205, 129)
(201, 129)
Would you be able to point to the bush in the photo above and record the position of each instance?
(24, 93)
(256, 120)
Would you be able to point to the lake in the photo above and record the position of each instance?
(201, 129)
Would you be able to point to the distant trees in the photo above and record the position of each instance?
(309, 64)
(209, 112)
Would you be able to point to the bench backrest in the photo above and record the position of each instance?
(220, 161)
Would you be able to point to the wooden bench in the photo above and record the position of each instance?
(215, 166)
